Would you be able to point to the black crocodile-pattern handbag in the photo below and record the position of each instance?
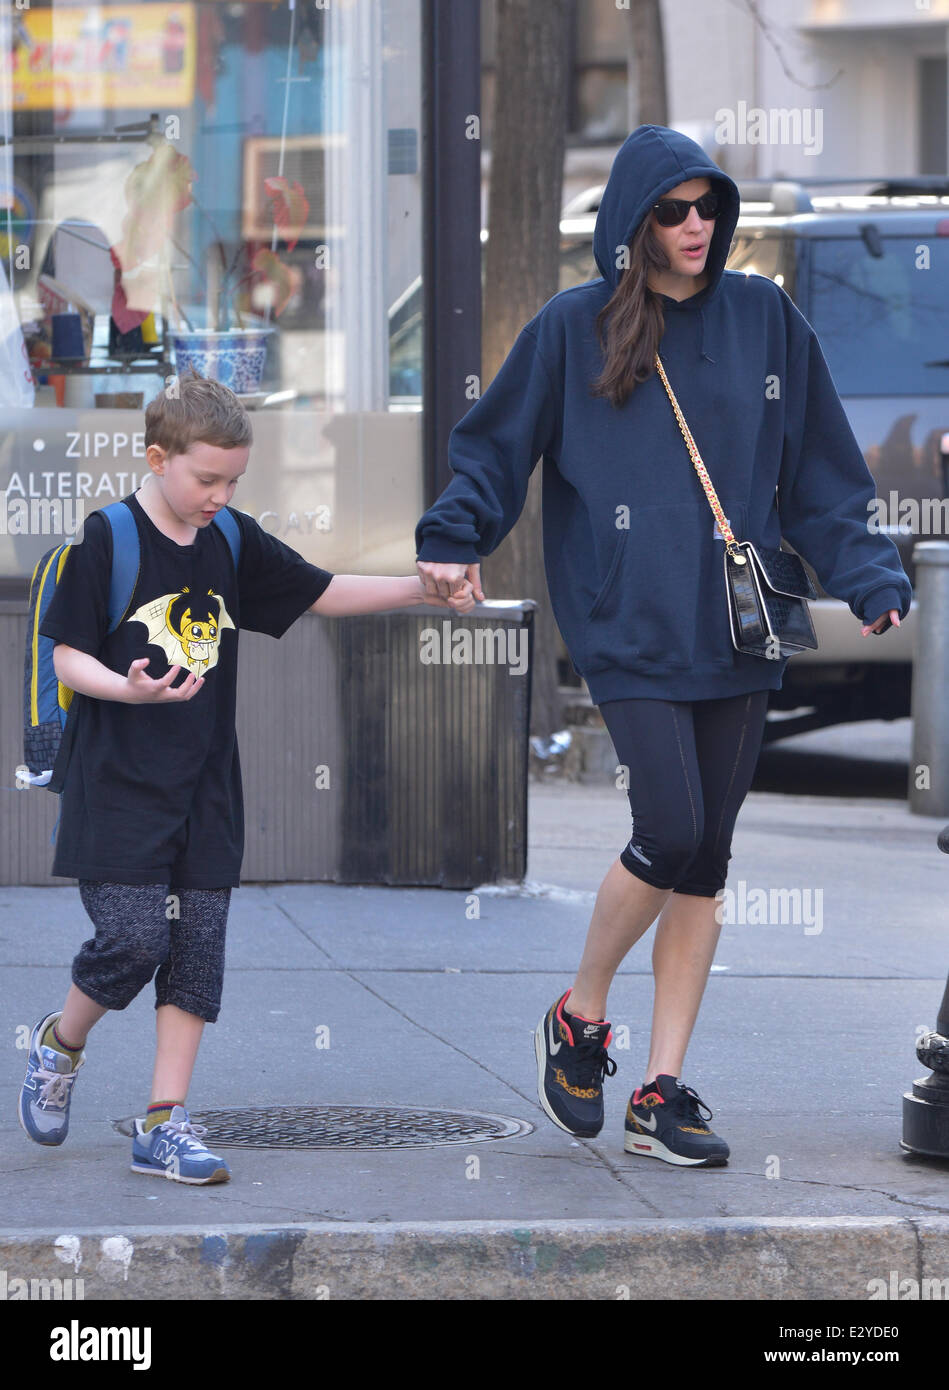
(766, 590)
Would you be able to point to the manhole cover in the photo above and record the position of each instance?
(347, 1127)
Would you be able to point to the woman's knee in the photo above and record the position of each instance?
(662, 857)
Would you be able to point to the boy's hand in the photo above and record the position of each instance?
(143, 690)
(439, 580)
(460, 599)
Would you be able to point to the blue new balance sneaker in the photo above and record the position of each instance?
(43, 1106)
(174, 1150)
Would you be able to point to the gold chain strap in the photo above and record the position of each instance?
(731, 544)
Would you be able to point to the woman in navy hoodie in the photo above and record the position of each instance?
(633, 558)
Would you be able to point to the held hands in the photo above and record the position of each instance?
(881, 623)
(456, 586)
(459, 586)
(142, 690)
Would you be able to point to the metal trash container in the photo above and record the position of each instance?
(388, 748)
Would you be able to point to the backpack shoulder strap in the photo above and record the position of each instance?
(126, 559)
(228, 523)
(126, 554)
(40, 675)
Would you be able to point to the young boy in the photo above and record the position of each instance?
(152, 819)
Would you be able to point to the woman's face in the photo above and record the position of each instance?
(693, 232)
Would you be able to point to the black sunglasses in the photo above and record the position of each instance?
(671, 212)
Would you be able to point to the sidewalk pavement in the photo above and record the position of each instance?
(803, 1049)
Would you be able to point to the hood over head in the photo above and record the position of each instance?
(649, 162)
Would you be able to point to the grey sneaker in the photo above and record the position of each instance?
(174, 1150)
(43, 1105)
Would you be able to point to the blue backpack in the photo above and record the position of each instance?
(47, 729)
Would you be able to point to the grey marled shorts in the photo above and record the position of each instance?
(142, 928)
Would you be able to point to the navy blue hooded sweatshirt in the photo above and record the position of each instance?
(634, 568)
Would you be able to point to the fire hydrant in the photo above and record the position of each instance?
(926, 1107)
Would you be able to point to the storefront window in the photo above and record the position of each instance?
(246, 169)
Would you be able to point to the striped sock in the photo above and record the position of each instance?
(52, 1039)
(159, 1111)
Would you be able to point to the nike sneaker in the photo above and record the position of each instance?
(667, 1123)
(571, 1062)
(43, 1104)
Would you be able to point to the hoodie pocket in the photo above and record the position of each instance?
(662, 602)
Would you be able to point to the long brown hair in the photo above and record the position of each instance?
(632, 321)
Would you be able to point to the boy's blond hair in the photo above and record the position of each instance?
(196, 410)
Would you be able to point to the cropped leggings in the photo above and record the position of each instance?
(690, 764)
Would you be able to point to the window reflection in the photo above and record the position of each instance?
(248, 171)
(882, 321)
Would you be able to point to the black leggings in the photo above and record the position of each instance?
(690, 764)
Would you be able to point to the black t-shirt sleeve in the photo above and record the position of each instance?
(78, 612)
(275, 583)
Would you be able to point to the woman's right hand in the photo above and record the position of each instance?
(442, 580)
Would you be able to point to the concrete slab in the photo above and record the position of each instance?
(803, 1048)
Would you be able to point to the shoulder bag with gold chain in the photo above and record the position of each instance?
(766, 590)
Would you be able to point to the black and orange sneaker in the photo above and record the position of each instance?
(571, 1061)
(664, 1121)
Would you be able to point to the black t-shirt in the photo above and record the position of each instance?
(153, 791)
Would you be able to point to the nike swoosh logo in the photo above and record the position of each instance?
(649, 1124)
(554, 1047)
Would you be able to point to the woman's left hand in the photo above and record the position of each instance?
(882, 623)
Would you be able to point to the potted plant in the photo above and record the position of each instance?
(232, 347)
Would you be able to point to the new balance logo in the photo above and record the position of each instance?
(166, 1154)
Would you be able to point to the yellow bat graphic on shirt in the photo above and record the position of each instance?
(188, 629)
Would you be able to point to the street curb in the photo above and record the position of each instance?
(776, 1259)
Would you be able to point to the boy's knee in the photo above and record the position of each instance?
(113, 973)
(204, 1008)
(112, 990)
